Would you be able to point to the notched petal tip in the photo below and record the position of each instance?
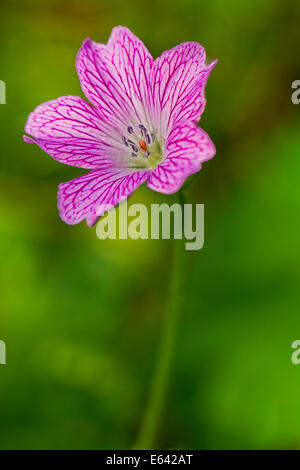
(115, 34)
(28, 140)
(212, 64)
(86, 43)
(91, 221)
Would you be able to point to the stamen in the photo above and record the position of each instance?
(133, 146)
(141, 148)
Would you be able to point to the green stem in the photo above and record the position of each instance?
(150, 425)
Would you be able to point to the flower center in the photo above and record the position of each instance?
(143, 146)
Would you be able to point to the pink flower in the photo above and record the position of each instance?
(141, 126)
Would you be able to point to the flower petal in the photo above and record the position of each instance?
(177, 81)
(71, 131)
(188, 146)
(90, 195)
(114, 77)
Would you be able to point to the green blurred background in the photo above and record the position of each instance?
(82, 318)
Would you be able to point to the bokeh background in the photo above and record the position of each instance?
(82, 318)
